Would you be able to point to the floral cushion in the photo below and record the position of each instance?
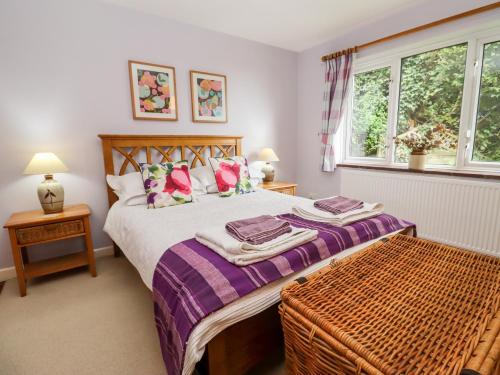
(167, 184)
(231, 175)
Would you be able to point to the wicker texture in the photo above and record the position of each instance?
(49, 232)
(407, 306)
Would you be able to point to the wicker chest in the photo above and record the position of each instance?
(404, 306)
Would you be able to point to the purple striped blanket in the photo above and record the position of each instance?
(191, 281)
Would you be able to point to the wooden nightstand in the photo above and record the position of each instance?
(280, 187)
(33, 228)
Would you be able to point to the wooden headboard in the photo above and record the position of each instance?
(127, 151)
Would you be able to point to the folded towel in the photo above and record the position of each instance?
(258, 230)
(338, 205)
(242, 253)
(307, 211)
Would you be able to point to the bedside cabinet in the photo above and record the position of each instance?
(33, 227)
(280, 187)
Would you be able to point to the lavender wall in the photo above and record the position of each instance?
(310, 77)
(64, 79)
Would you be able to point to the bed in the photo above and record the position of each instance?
(239, 335)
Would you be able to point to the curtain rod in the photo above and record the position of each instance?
(414, 30)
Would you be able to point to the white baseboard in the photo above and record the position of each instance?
(7, 273)
(104, 251)
(10, 272)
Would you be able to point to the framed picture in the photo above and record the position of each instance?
(152, 87)
(208, 97)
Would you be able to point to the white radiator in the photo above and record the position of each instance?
(460, 212)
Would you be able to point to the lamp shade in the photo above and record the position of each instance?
(267, 154)
(45, 163)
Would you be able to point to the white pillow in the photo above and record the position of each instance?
(129, 188)
(212, 189)
(197, 186)
(256, 175)
(254, 181)
(255, 172)
(205, 175)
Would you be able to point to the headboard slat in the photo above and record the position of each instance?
(129, 158)
(135, 149)
(197, 155)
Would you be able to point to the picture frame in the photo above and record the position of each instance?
(153, 91)
(208, 97)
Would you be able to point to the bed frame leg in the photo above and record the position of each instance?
(116, 250)
(240, 347)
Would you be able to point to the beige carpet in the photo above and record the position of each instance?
(71, 323)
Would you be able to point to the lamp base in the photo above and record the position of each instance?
(51, 195)
(268, 171)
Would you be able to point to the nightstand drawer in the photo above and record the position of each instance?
(288, 191)
(280, 187)
(49, 232)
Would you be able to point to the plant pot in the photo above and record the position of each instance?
(417, 161)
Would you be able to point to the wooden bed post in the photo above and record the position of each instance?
(107, 152)
(237, 150)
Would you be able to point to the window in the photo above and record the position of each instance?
(487, 132)
(453, 85)
(370, 111)
(431, 92)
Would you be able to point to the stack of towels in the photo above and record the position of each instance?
(338, 211)
(252, 240)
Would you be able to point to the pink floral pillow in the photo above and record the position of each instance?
(231, 175)
(167, 184)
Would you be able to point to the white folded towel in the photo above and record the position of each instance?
(307, 211)
(242, 253)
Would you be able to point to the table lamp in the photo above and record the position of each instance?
(268, 155)
(50, 191)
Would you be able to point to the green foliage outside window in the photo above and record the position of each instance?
(369, 122)
(431, 92)
(487, 137)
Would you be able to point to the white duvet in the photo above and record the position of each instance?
(144, 234)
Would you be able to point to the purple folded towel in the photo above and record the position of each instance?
(258, 230)
(338, 205)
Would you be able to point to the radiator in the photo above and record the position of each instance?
(456, 211)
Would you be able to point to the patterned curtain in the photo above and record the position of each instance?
(337, 75)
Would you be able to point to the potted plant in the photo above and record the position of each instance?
(423, 138)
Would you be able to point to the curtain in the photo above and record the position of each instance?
(337, 76)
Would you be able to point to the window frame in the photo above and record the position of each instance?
(347, 138)
(476, 87)
(476, 39)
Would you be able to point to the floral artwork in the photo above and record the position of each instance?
(167, 184)
(208, 97)
(232, 175)
(153, 91)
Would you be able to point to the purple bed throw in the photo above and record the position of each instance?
(191, 281)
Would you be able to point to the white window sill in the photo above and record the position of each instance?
(431, 171)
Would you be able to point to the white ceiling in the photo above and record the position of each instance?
(290, 24)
